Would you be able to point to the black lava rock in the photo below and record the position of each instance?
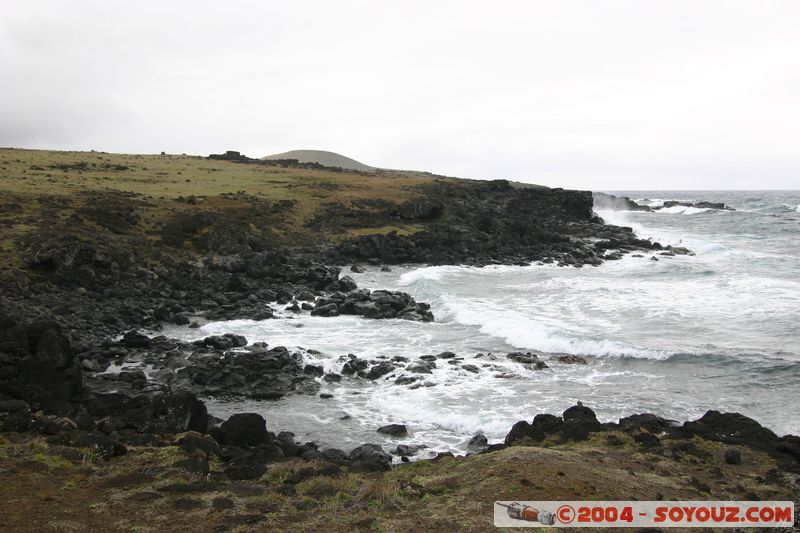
(371, 457)
(244, 429)
(395, 430)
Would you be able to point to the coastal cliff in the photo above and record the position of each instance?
(104, 243)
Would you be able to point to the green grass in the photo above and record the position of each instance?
(53, 461)
(401, 230)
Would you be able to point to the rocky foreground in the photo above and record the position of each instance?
(103, 248)
(176, 471)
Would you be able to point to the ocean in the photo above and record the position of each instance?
(675, 337)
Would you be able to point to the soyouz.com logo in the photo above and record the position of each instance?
(643, 514)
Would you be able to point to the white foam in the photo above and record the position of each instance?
(431, 273)
(423, 409)
(649, 202)
(621, 218)
(524, 332)
(696, 244)
(115, 368)
(682, 209)
(704, 247)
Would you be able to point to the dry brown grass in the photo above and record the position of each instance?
(30, 172)
(47, 190)
(451, 494)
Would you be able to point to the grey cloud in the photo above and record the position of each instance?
(603, 95)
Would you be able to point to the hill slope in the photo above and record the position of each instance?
(328, 159)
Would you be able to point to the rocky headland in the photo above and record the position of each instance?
(623, 203)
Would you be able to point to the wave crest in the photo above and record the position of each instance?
(430, 273)
(525, 333)
(682, 209)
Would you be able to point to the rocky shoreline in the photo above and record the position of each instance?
(78, 371)
(91, 289)
(106, 413)
(88, 396)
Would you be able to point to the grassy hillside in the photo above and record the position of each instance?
(136, 195)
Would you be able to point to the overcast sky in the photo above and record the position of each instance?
(584, 94)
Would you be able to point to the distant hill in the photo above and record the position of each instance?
(328, 159)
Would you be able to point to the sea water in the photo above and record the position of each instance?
(675, 337)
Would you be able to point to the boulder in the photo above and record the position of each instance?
(395, 430)
(580, 414)
(381, 369)
(244, 429)
(518, 432)
(225, 342)
(134, 339)
(571, 359)
(542, 426)
(336, 456)
(371, 457)
(790, 445)
(268, 452)
(37, 365)
(384, 304)
(730, 428)
(347, 283)
(408, 450)
(579, 422)
(159, 414)
(478, 442)
(646, 421)
(198, 445)
(421, 367)
(268, 375)
(285, 440)
(547, 423)
(354, 366)
(523, 358)
(330, 309)
(313, 370)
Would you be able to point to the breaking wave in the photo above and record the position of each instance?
(526, 333)
(431, 273)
